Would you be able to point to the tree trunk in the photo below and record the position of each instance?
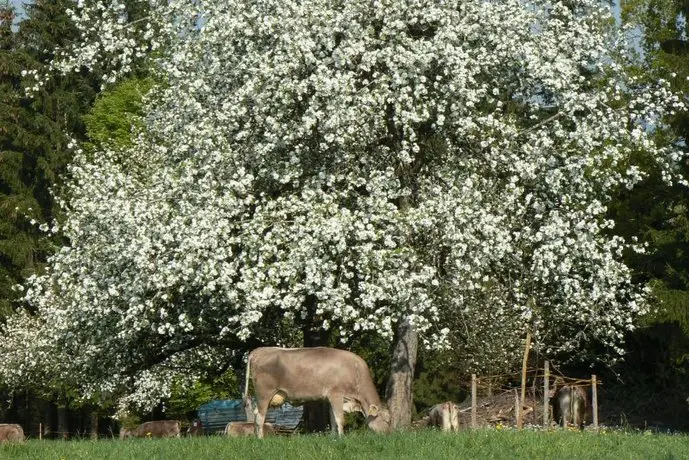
(48, 422)
(316, 413)
(62, 422)
(34, 413)
(93, 425)
(399, 390)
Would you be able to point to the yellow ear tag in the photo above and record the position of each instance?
(373, 410)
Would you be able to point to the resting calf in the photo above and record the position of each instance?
(155, 429)
(241, 429)
(11, 432)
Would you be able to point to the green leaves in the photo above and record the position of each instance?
(116, 116)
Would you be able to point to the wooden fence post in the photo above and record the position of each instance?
(594, 400)
(517, 410)
(473, 401)
(525, 362)
(546, 390)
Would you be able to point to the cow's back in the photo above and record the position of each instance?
(11, 432)
(303, 372)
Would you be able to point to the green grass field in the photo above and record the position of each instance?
(426, 444)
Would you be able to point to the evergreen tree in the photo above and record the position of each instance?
(33, 139)
(658, 215)
(656, 212)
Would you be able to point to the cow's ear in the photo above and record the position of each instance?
(373, 410)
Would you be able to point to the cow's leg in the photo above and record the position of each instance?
(248, 409)
(578, 412)
(454, 417)
(333, 420)
(337, 414)
(564, 421)
(565, 404)
(260, 415)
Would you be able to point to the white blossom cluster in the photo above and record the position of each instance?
(447, 161)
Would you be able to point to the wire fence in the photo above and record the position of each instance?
(493, 386)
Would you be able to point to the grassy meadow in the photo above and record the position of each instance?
(425, 444)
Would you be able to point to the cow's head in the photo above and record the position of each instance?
(196, 428)
(378, 419)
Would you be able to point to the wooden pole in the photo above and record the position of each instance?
(40, 431)
(525, 362)
(594, 400)
(517, 410)
(473, 401)
(546, 390)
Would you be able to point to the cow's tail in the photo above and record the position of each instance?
(246, 398)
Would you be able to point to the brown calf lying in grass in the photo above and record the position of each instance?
(155, 429)
(241, 429)
(11, 432)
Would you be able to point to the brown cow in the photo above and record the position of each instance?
(155, 429)
(309, 374)
(11, 432)
(570, 406)
(242, 429)
(445, 416)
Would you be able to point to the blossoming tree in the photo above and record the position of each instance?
(441, 167)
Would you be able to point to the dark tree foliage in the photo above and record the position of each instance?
(652, 384)
(34, 156)
(33, 135)
(654, 212)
